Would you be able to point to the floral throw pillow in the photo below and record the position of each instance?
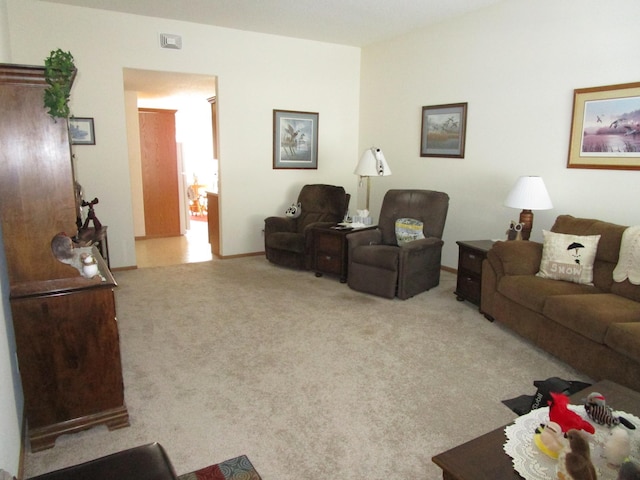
(568, 257)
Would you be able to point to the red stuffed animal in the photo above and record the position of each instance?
(567, 419)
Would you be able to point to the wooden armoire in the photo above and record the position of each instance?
(65, 325)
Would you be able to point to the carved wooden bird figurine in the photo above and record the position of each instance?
(567, 419)
(578, 459)
(598, 411)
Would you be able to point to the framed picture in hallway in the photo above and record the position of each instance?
(295, 139)
(605, 130)
(444, 128)
(81, 131)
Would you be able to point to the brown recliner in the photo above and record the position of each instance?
(289, 241)
(378, 265)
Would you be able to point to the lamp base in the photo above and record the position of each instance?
(526, 218)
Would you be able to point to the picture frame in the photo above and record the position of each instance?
(81, 131)
(295, 139)
(444, 129)
(605, 128)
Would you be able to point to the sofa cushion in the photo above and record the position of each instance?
(626, 289)
(591, 315)
(624, 338)
(568, 257)
(532, 291)
(381, 256)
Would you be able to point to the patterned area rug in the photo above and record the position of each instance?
(239, 468)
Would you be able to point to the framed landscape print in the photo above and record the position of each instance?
(295, 139)
(81, 131)
(605, 130)
(443, 130)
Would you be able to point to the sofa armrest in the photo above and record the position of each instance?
(279, 224)
(515, 257)
(365, 237)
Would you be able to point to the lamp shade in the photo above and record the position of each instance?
(529, 193)
(372, 164)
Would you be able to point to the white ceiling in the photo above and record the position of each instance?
(347, 22)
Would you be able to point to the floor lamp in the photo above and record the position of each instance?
(372, 164)
(529, 193)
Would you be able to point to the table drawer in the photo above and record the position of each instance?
(329, 263)
(468, 286)
(329, 244)
(471, 260)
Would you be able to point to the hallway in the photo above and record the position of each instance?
(190, 248)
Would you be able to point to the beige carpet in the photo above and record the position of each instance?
(306, 377)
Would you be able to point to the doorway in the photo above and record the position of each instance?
(197, 164)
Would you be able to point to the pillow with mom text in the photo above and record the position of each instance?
(568, 257)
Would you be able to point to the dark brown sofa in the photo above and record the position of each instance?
(594, 328)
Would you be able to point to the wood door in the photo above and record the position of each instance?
(159, 172)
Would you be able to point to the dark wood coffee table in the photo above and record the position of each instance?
(484, 459)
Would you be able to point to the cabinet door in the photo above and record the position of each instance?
(37, 198)
(69, 355)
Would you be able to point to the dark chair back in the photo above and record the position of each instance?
(428, 206)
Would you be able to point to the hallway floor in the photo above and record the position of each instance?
(189, 248)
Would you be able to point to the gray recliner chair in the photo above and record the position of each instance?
(289, 241)
(380, 266)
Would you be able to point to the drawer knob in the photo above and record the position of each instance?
(472, 256)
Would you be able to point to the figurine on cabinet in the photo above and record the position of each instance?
(91, 215)
(515, 231)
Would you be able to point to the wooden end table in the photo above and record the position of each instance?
(471, 254)
(484, 459)
(330, 250)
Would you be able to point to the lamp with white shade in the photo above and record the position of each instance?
(529, 193)
(372, 164)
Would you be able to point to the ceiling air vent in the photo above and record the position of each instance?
(167, 40)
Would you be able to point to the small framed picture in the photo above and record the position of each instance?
(81, 131)
(443, 130)
(295, 139)
(605, 130)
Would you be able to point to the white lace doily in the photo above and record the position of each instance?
(532, 464)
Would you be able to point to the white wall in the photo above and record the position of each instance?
(256, 73)
(516, 64)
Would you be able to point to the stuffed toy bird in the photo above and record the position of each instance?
(617, 448)
(567, 419)
(549, 439)
(629, 471)
(577, 461)
(601, 413)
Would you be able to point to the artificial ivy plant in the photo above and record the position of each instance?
(59, 70)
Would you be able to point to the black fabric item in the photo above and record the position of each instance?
(525, 403)
(147, 462)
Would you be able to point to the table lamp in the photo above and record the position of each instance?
(529, 193)
(372, 164)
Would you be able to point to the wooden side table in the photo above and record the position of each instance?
(330, 250)
(470, 257)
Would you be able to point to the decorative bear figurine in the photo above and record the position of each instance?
(294, 210)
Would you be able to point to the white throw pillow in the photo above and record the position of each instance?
(568, 257)
(408, 230)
